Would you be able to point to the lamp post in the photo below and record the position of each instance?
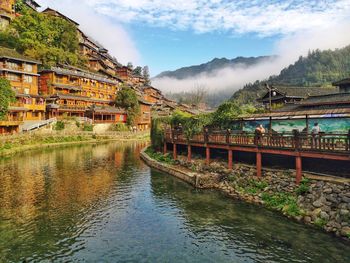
(269, 89)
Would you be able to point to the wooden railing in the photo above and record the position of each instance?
(323, 142)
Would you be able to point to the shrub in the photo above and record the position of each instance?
(88, 127)
(282, 201)
(167, 158)
(303, 187)
(320, 222)
(121, 127)
(59, 126)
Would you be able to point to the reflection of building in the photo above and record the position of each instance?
(22, 72)
(7, 12)
(74, 92)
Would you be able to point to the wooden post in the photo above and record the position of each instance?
(298, 168)
(230, 163)
(174, 151)
(258, 164)
(207, 154)
(189, 153)
(165, 147)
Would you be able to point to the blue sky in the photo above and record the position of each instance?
(166, 35)
(166, 49)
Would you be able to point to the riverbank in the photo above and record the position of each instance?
(321, 203)
(11, 145)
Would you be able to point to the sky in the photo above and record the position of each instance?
(166, 35)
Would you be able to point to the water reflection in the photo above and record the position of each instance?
(98, 203)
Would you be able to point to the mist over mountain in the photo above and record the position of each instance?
(212, 67)
(317, 69)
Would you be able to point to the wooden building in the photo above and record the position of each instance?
(344, 85)
(22, 72)
(144, 120)
(281, 95)
(7, 12)
(32, 4)
(152, 94)
(76, 92)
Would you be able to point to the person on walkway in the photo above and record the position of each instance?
(315, 132)
(259, 131)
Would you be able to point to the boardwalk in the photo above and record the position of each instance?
(323, 146)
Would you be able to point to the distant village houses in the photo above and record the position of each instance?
(64, 91)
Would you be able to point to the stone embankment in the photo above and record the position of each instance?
(319, 201)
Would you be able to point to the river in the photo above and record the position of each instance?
(101, 203)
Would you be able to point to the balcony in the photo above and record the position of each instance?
(30, 107)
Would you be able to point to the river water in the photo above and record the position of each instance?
(100, 203)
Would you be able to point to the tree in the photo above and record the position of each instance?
(47, 38)
(127, 99)
(7, 96)
(146, 75)
(130, 66)
(138, 71)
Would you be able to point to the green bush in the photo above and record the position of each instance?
(59, 126)
(167, 158)
(88, 127)
(282, 201)
(320, 222)
(303, 187)
(121, 127)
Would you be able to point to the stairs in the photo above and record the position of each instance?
(34, 125)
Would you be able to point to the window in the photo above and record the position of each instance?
(28, 67)
(26, 91)
(12, 65)
(13, 77)
(28, 79)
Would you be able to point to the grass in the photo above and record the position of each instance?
(284, 202)
(303, 187)
(159, 156)
(320, 222)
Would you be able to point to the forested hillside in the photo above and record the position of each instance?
(318, 68)
(212, 66)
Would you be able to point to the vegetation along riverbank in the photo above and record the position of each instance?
(10, 145)
(321, 203)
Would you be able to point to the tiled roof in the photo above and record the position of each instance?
(334, 98)
(342, 82)
(81, 73)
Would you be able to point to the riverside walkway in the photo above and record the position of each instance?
(294, 145)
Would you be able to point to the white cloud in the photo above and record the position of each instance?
(109, 34)
(288, 50)
(264, 17)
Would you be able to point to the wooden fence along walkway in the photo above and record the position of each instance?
(296, 145)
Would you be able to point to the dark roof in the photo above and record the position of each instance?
(107, 109)
(13, 54)
(48, 10)
(32, 4)
(342, 82)
(142, 101)
(298, 92)
(80, 73)
(329, 99)
(69, 87)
